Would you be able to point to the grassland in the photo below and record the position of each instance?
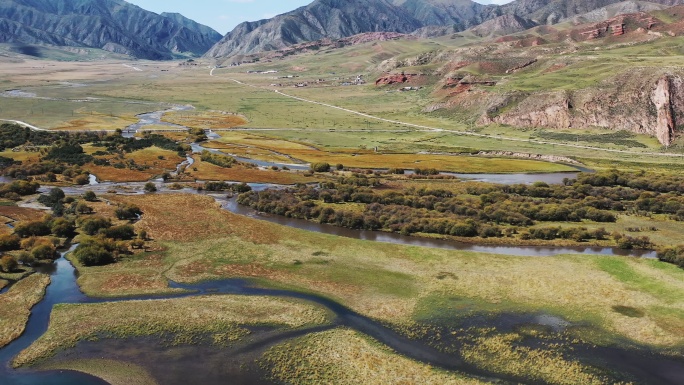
(216, 98)
(17, 304)
(388, 282)
(356, 153)
(346, 357)
(222, 317)
(205, 119)
(240, 173)
(114, 372)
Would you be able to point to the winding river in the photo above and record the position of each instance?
(646, 366)
(231, 205)
(651, 368)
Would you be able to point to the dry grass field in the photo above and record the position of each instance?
(17, 304)
(114, 372)
(205, 119)
(346, 357)
(222, 317)
(239, 173)
(395, 283)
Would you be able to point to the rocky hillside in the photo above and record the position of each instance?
(333, 19)
(544, 79)
(336, 19)
(553, 11)
(503, 25)
(111, 25)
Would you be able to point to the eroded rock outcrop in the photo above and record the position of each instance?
(665, 120)
(651, 104)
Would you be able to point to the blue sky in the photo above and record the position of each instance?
(223, 15)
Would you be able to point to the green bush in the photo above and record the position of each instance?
(124, 232)
(32, 228)
(43, 252)
(9, 242)
(320, 167)
(8, 264)
(93, 225)
(128, 211)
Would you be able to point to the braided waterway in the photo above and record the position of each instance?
(644, 366)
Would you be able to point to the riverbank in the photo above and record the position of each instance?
(17, 303)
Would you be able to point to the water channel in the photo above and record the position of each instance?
(651, 368)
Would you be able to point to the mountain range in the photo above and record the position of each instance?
(111, 25)
(120, 27)
(343, 18)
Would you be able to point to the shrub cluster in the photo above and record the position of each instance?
(224, 161)
(487, 210)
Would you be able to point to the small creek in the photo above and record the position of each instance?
(155, 119)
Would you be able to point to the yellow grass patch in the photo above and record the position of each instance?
(195, 218)
(243, 138)
(249, 152)
(204, 119)
(17, 304)
(95, 121)
(453, 163)
(114, 372)
(21, 156)
(18, 214)
(150, 157)
(238, 173)
(221, 316)
(111, 174)
(498, 353)
(344, 357)
(388, 282)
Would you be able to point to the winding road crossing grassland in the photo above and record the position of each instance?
(435, 129)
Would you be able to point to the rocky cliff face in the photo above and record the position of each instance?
(652, 105)
(667, 100)
(112, 25)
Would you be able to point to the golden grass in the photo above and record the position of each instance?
(150, 157)
(453, 163)
(17, 304)
(22, 156)
(344, 357)
(389, 282)
(361, 158)
(244, 138)
(95, 121)
(3, 284)
(249, 152)
(208, 171)
(197, 218)
(222, 317)
(111, 174)
(204, 119)
(18, 214)
(114, 372)
(498, 354)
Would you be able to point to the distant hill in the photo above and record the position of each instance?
(111, 25)
(337, 19)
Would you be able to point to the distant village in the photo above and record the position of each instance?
(336, 81)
